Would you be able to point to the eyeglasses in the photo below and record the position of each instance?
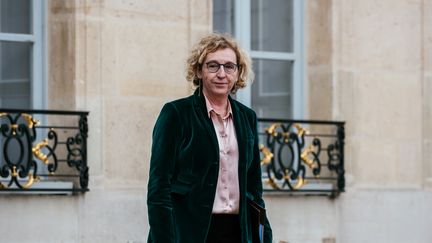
(229, 68)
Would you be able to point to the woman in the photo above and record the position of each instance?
(205, 161)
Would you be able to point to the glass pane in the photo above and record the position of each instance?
(272, 88)
(15, 75)
(272, 25)
(223, 16)
(15, 16)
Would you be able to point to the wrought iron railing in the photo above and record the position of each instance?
(43, 151)
(302, 157)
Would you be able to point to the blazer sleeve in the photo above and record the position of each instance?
(254, 184)
(162, 161)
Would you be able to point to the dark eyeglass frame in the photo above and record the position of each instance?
(226, 67)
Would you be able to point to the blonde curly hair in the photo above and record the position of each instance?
(211, 43)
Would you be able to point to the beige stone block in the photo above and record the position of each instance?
(95, 141)
(152, 63)
(35, 218)
(346, 99)
(350, 153)
(201, 12)
(89, 58)
(379, 34)
(380, 106)
(375, 164)
(113, 216)
(300, 219)
(409, 165)
(128, 126)
(384, 216)
(383, 125)
(427, 129)
(59, 7)
(320, 94)
(427, 36)
(61, 80)
(427, 102)
(109, 49)
(127, 60)
(319, 32)
(150, 10)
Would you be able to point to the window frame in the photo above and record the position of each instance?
(242, 32)
(38, 66)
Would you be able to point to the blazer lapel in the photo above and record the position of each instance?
(200, 106)
(239, 124)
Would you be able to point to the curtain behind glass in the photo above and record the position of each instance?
(272, 32)
(272, 25)
(15, 64)
(223, 16)
(271, 90)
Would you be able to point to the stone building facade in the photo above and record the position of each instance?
(368, 63)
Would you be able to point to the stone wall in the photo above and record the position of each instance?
(369, 63)
(120, 60)
(426, 57)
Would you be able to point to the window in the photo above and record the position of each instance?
(272, 32)
(22, 62)
(22, 69)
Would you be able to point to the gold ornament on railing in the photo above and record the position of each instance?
(273, 184)
(30, 120)
(300, 130)
(267, 155)
(21, 133)
(300, 183)
(272, 129)
(38, 154)
(304, 157)
(31, 179)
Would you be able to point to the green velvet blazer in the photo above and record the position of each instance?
(184, 168)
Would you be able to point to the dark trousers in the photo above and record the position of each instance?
(224, 228)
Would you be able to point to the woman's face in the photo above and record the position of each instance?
(218, 80)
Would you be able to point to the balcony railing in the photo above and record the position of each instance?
(43, 151)
(302, 157)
